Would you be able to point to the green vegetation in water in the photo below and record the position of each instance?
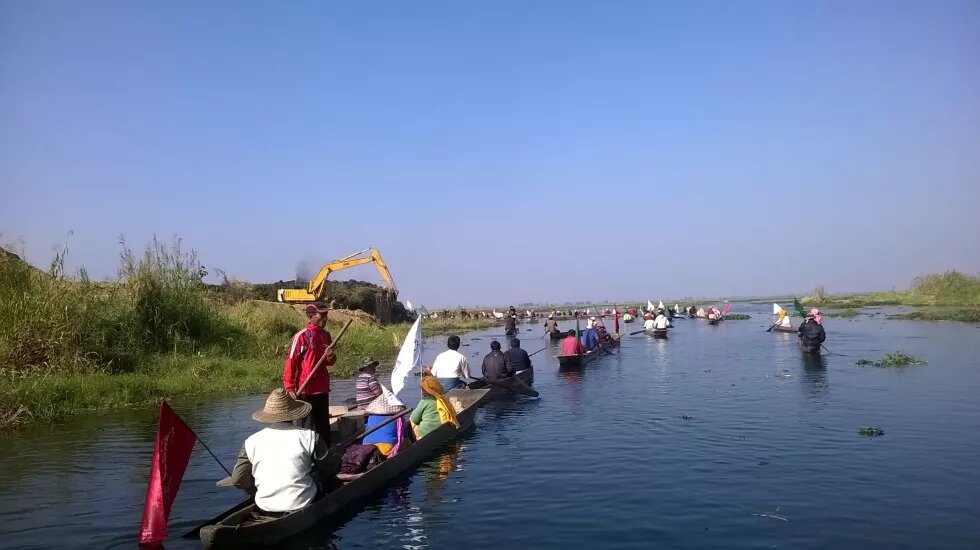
(951, 288)
(737, 317)
(445, 325)
(69, 345)
(897, 359)
(966, 315)
(871, 431)
(848, 313)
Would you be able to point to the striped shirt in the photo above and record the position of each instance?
(367, 388)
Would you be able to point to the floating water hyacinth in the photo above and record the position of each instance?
(871, 431)
(897, 359)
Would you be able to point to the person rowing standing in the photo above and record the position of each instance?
(308, 347)
(550, 325)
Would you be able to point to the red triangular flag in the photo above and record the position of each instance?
(728, 307)
(171, 452)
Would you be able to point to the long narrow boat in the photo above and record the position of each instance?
(521, 380)
(714, 321)
(658, 332)
(779, 328)
(240, 528)
(570, 361)
(558, 335)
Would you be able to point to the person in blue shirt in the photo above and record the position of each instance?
(590, 338)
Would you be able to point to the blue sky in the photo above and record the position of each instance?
(502, 152)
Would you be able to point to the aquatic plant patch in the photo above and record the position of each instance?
(871, 431)
(897, 359)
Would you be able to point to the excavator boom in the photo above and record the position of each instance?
(316, 289)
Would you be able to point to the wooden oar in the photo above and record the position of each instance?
(637, 332)
(326, 352)
(772, 327)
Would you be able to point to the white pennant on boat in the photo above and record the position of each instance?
(650, 306)
(776, 309)
(660, 304)
(409, 357)
(408, 305)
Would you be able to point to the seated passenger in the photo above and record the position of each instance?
(571, 344)
(433, 409)
(276, 464)
(390, 437)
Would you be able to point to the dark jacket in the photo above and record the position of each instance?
(510, 324)
(517, 359)
(495, 366)
(812, 333)
(551, 325)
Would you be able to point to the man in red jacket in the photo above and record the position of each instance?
(308, 346)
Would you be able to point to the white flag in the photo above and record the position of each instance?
(408, 305)
(409, 357)
(650, 306)
(660, 304)
(776, 309)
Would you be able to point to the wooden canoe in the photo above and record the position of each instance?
(658, 332)
(778, 328)
(575, 361)
(521, 378)
(558, 335)
(714, 321)
(238, 529)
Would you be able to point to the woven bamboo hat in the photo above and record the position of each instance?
(385, 404)
(280, 407)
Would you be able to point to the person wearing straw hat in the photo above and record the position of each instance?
(390, 437)
(366, 385)
(279, 464)
(308, 346)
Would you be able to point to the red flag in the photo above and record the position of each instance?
(728, 307)
(171, 452)
(616, 318)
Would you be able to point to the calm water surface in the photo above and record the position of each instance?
(720, 437)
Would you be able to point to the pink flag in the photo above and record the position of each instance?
(616, 318)
(171, 452)
(728, 307)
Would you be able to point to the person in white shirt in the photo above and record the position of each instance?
(661, 322)
(649, 324)
(279, 464)
(451, 366)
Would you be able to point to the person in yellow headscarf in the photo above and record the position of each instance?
(433, 409)
(783, 320)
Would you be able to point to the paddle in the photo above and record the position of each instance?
(516, 386)
(636, 332)
(772, 327)
(327, 352)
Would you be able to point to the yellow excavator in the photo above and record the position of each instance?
(316, 289)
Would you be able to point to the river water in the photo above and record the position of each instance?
(718, 437)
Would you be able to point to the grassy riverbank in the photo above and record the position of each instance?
(70, 345)
(951, 288)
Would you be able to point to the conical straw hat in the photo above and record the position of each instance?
(280, 407)
(385, 404)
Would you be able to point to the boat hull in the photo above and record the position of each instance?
(657, 333)
(784, 329)
(577, 361)
(234, 531)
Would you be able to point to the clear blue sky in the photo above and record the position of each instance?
(501, 152)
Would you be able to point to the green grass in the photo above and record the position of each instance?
(966, 315)
(951, 288)
(897, 359)
(70, 345)
(737, 317)
(848, 313)
(443, 325)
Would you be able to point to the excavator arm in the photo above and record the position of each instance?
(316, 289)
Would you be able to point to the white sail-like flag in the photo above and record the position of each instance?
(408, 305)
(409, 357)
(650, 306)
(660, 304)
(776, 309)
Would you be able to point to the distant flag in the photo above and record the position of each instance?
(409, 357)
(650, 306)
(660, 304)
(408, 305)
(616, 319)
(776, 309)
(728, 307)
(171, 452)
(799, 308)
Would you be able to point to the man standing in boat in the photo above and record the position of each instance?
(550, 325)
(308, 346)
(811, 332)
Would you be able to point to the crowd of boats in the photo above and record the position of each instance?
(295, 479)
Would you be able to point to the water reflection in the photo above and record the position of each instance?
(815, 374)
